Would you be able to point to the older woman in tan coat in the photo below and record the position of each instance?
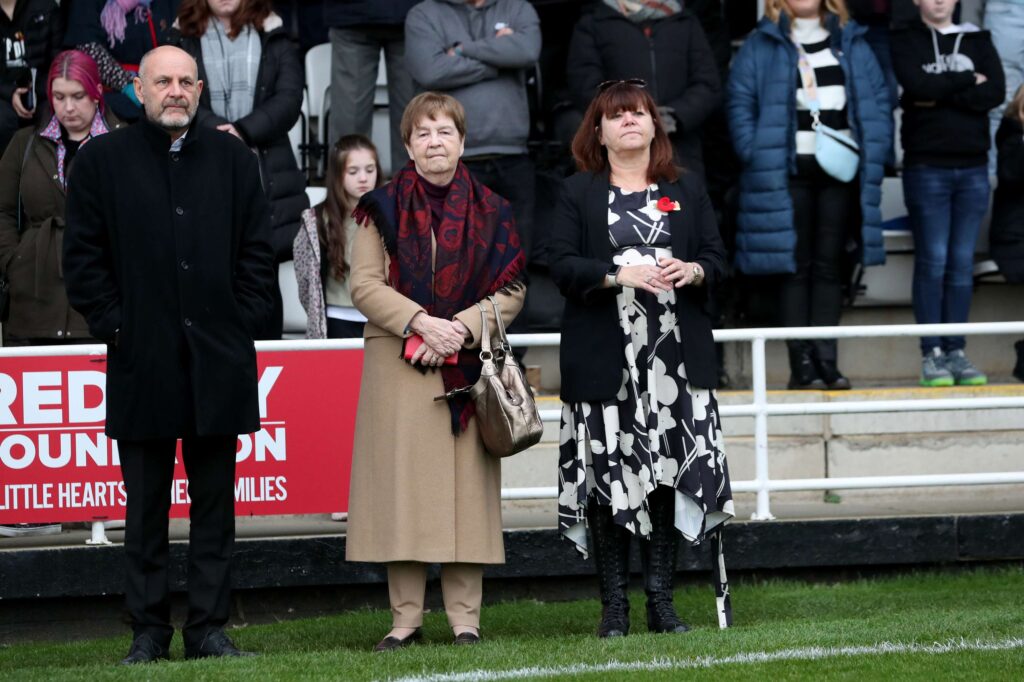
(424, 490)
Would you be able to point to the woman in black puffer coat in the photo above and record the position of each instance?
(224, 48)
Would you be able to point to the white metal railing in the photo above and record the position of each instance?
(760, 409)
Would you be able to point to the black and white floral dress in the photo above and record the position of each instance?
(659, 429)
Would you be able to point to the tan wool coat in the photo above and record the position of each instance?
(418, 493)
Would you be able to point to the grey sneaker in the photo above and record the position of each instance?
(963, 370)
(933, 369)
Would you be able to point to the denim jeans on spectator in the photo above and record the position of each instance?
(355, 56)
(1005, 20)
(946, 207)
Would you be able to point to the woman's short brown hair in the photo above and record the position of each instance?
(775, 8)
(194, 17)
(590, 154)
(431, 105)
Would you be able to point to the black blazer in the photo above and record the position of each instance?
(168, 258)
(581, 255)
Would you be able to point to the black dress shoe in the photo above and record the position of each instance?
(144, 650)
(830, 374)
(390, 643)
(803, 374)
(215, 644)
(467, 639)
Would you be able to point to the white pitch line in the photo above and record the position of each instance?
(804, 654)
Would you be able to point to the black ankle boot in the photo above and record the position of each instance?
(658, 557)
(610, 545)
(803, 374)
(1018, 369)
(830, 374)
(824, 358)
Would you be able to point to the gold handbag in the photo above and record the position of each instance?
(506, 412)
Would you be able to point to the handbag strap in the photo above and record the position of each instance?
(485, 334)
(24, 160)
(503, 344)
(809, 82)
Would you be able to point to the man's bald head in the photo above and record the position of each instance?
(167, 52)
(168, 87)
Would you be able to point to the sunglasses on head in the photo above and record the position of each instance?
(638, 82)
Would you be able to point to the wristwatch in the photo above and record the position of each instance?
(611, 279)
(698, 273)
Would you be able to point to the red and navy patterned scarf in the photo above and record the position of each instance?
(478, 253)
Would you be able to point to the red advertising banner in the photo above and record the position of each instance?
(57, 465)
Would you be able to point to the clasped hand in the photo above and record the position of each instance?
(668, 274)
(441, 339)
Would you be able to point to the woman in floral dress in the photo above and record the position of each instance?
(636, 251)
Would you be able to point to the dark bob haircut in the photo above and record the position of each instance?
(590, 154)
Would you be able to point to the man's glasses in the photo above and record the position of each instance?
(638, 82)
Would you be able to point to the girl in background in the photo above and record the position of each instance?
(323, 247)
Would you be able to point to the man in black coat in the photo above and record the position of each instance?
(167, 255)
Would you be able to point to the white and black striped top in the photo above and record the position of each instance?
(831, 85)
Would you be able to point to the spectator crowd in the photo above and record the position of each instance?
(792, 135)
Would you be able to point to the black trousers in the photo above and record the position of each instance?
(813, 295)
(515, 179)
(148, 468)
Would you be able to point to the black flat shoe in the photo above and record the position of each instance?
(144, 650)
(467, 639)
(803, 374)
(390, 643)
(830, 374)
(215, 644)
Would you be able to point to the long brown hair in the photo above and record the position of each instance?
(194, 17)
(775, 8)
(1015, 108)
(591, 155)
(332, 212)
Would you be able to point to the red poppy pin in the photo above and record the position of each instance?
(666, 205)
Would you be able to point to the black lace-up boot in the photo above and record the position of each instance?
(610, 545)
(658, 557)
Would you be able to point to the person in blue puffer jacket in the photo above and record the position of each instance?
(794, 218)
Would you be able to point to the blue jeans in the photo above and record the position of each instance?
(946, 207)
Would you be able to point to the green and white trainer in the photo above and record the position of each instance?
(933, 369)
(963, 370)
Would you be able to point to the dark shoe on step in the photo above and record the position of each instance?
(215, 644)
(144, 649)
(1018, 369)
(833, 378)
(390, 643)
(467, 639)
(803, 375)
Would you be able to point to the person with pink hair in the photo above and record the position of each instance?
(116, 33)
(33, 183)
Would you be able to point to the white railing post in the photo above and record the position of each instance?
(99, 535)
(759, 374)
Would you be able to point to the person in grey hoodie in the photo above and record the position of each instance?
(479, 51)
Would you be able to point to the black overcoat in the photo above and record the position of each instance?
(592, 355)
(171, 250)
